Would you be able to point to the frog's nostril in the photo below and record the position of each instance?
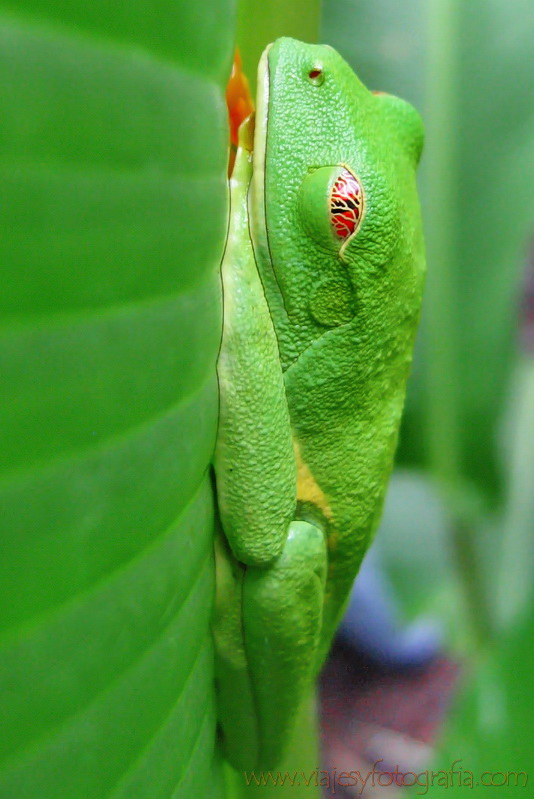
(316, 75)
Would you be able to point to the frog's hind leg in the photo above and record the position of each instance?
(235, 701)
(282, 617)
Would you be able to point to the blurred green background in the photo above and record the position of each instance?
(113, 151)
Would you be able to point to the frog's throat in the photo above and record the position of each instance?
(308, 489)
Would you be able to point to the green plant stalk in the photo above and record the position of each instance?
(514, 593)
(440, 170)
(442, 428)
(472, 583)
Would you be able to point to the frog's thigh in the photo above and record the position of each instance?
(282, 616)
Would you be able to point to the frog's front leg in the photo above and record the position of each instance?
(254, 459)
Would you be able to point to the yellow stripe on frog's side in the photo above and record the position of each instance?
(307, 488)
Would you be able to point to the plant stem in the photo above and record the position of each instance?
(442, 400)
(472, 583)
(440, 197)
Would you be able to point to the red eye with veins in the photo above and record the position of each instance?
(346, 205)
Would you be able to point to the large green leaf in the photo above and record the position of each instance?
(113, 146)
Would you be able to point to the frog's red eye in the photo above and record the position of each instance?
(332, 207)
(346, 205)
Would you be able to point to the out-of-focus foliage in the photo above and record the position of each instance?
(113, 148)
(492, 727)
(260, 23)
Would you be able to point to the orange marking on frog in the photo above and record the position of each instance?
(240, 104)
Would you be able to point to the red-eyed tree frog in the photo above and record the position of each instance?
(322, 280)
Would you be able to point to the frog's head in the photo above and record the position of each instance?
(336, 223)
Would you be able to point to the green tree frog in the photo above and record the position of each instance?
(322, 280)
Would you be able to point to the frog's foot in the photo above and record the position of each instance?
(282, 616)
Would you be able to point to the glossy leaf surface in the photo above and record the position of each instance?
(113, 148)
